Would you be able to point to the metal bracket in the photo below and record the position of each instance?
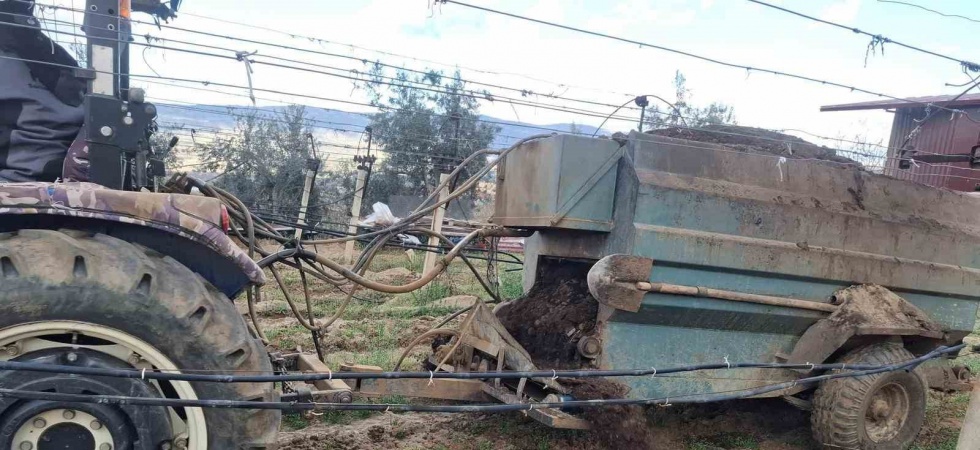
(905, 162)
(587, 186)
(117, 131)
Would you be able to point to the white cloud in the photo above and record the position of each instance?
(843, 11)
(641, 13)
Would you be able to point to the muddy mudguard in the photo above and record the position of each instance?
(864, 310)
(186, 227)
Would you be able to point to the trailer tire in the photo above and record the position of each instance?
(883, 411)
(107, 290)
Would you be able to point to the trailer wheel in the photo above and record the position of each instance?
(880, 411)
(76, 298)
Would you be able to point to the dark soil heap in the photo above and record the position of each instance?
(549, 318)
(546, 322)
(616, 426)
(755, 140)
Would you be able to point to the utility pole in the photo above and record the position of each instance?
(367, 161)
(365, 164)
(312, 166)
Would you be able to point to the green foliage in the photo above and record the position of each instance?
(683, 113)
(263, 163)
(429, 124)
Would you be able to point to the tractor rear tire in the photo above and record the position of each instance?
(93, 286)
(884, 411)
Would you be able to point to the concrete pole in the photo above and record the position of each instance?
(970, 433)
(437, 216)
(312, 165)
(355, 213)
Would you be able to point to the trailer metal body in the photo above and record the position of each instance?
(749, 224)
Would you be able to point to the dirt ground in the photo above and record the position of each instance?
(755, 140)
(375, 328)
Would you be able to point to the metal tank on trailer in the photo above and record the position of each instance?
(700, 253)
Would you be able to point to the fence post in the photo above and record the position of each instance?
(437, 216)
(355, 214)
(312, 165)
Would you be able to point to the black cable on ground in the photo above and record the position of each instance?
(509, 375)
(296, 406)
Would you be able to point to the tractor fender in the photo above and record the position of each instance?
(187, 228)
(863, 310)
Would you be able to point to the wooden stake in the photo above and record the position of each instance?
(437, 216)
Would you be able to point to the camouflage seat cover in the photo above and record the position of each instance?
(194, 217)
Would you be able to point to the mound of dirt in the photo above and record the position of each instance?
(551, 317)
(456, 301)
(547, 322)
(754, 140)
(617, 426)
(394, 275)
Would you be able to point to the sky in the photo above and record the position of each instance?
(542, 59)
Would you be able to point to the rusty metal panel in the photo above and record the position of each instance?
(752, 223)
(945, 100)
(562, 181)
(941, 134)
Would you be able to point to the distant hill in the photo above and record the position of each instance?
(216, 116)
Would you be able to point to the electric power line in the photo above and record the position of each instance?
(689, 54)
(400, 86)
(148, 37)
(240, 87)
(876, 39)
(930, 10)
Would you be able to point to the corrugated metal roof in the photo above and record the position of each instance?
(966, 100)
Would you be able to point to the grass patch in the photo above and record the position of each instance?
(511, 281)
(430, 293)
(947, 444)
(292, 422)
(726, 441)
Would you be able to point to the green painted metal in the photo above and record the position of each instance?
(754, 223)
(574, 197)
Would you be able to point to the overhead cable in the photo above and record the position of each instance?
(876, 39)
(690, 55)
(958, 16)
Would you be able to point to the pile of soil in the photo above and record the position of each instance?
(755, 140)
(558, 309)
(616, 426)
(547, 322)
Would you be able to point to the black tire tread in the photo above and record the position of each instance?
(837, 402)
(46, 260)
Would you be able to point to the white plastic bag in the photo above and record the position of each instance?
(381, 217)
(409, 239)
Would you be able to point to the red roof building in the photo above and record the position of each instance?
(944, 133)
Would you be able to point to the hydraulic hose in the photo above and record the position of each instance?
(441, 264)
(419, 213)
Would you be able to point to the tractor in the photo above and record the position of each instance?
(112, 272)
